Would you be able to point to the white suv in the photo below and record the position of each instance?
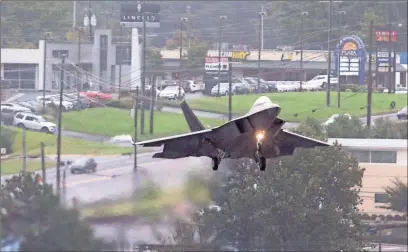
(14, 107)
(33, 122)
(319, 82)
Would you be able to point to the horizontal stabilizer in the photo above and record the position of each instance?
(193, 123)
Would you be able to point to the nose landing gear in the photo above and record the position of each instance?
(259, 158)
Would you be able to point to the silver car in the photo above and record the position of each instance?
(402, 114)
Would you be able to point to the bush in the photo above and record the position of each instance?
(354, 88)
(7, 139)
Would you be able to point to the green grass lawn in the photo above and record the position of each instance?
(112, 122)
(304, 103)
(69, 145)
(13, 166)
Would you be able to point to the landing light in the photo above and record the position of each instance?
(260, 136)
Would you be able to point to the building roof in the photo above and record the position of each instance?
(372, 144)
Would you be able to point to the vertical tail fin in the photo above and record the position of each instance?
(193, 123)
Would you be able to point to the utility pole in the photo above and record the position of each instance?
(370, 76)
(64, 187)
(342, 13)
(89, 20)
(142, 121)
(74, 14)
(259, 48)
(329, 55)
(181, 54)
(262, 27)
(135, 130)
(79, 59)
(44, 70)
(301, 48)
(390, 86)
(60, 123)
(230, 92)
(24, 151)
(219, 53)
(44, 176)
(152, 105)
(120, 59)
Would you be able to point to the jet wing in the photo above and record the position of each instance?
(182, 137)
(288, 141)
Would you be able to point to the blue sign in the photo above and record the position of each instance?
(403, 58)
(350, 57)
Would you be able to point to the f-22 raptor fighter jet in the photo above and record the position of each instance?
(258, 135)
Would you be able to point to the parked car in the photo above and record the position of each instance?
(191, 86)
(333, 118)
(97, 95)
(253, 81)
(271, 86)
(82, 103)
(401, 90)
(15, 107)
(172, 92)
(224, 89)
(83, 166)
(319, 82)
(66, 106)
(165, 83)
(402, 114)
(33, 122)
(7, 115)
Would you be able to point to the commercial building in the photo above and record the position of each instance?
(97, 64)
(384, 161)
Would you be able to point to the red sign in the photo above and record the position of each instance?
(215, 59)
(383, 36)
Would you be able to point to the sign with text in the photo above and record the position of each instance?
(383, 60)
(384, 36)
(350, 57)
(211, 64)
(132, 15)
(231, 55)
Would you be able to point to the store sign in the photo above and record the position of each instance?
(351, 57)
(383, 60)
(211, 64)
(132, 15)
(231, 55)
(384, 36)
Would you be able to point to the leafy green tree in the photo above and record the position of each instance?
(311, 127)
(387, 129)
(7, 139)
(398, 196)
(196, 54)
(30, 210)
(343, 127)
(302, 202)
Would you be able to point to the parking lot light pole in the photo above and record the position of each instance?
(301, 48)
(60, 123)
(219, 53)
(182, 20)
(261, 17)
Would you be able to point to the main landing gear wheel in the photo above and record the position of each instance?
(215, 163)
(262, 163)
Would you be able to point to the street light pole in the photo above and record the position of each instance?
(261, 14)
(301, 48)
(181, 53)
(329, 55)
(370, 76)
(44, 71)
(390, 86)
(342, 13)
(60, 123)
(120, 59)
(219, 53)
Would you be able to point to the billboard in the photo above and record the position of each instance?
(131, 15)
(211, 64)
(231, 55)
(382, 61)
(350, 57)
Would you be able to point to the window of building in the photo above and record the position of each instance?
(383, 157)
(380, 198)
(361, 156)
(58, 53)
(20, 76)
